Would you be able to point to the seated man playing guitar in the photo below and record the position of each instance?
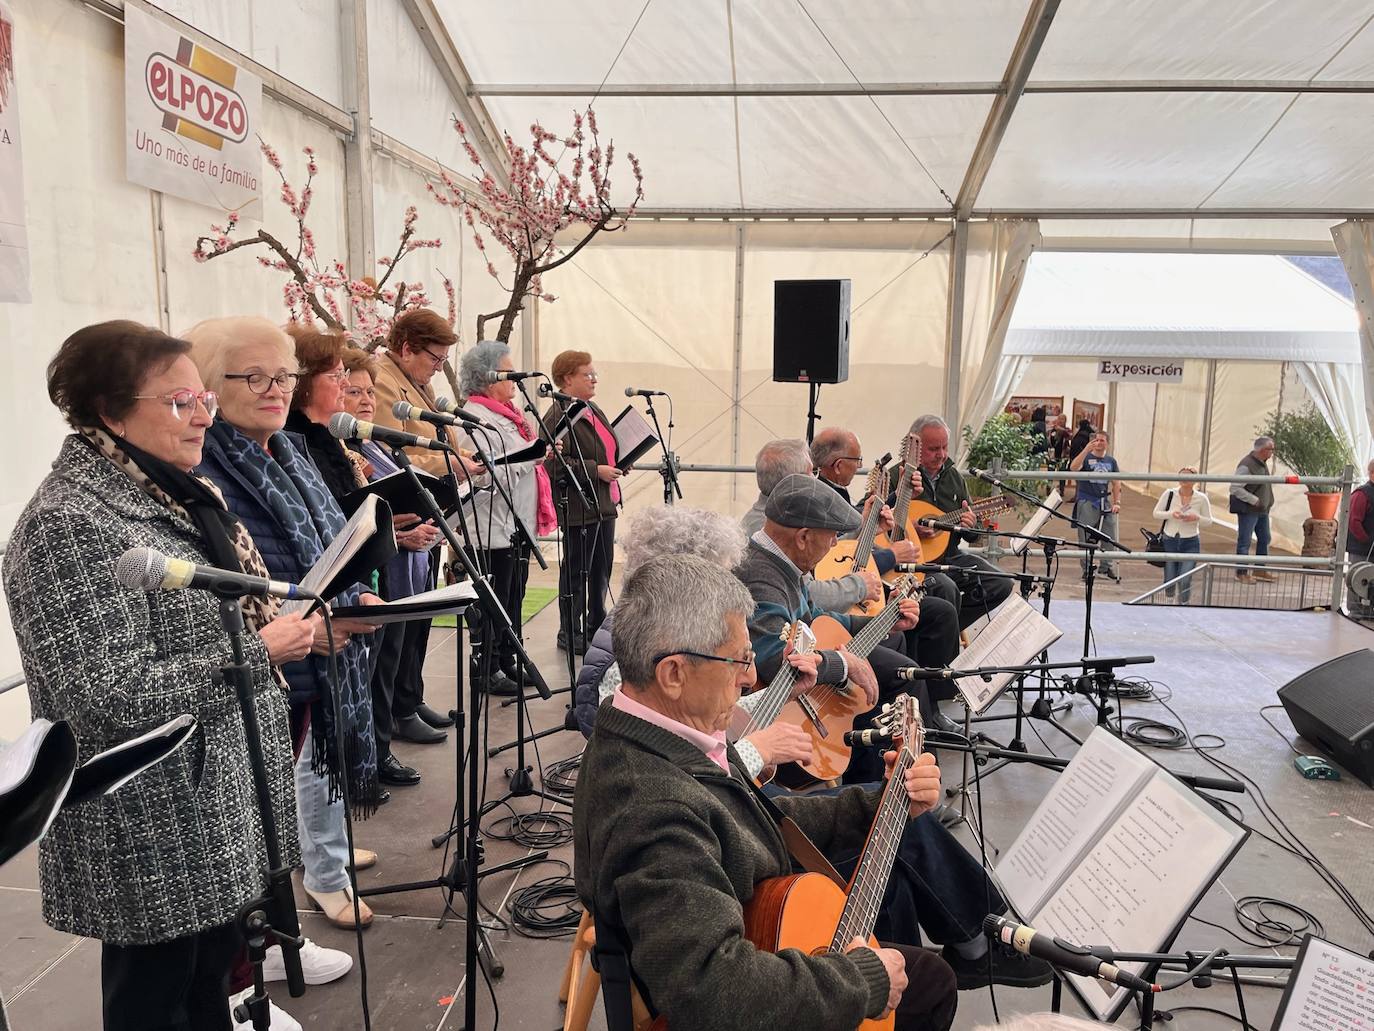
(672, 841)
(943, 486)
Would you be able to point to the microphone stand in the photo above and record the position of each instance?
(668, 470)
(464, 873)
(273, 912)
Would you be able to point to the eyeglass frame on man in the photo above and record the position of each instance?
(248, 377)
(207, 399)
(746, 663)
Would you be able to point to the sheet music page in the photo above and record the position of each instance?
(1015, 636)
(343, 547)
(170, 736)
(1135, 884)
(1331, 990)
(1037, 522)
(17, 757)
(1096, 784)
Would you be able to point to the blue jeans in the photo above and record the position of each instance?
(320, 824)
(1089, 514)
(1248, 523)
(1181, 546)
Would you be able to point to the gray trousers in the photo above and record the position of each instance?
(1089, 514)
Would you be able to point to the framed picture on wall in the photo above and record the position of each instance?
(1023, 406)
(1094, 411)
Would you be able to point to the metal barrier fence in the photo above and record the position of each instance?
(1218, 585)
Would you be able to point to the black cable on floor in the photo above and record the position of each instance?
(560, 778)
(541, 829)
(548, 907)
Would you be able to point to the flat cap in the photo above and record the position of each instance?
(802, 501)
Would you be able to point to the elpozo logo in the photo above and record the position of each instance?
(195, 93)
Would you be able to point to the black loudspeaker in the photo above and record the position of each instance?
(810, 330)
(1332, 705)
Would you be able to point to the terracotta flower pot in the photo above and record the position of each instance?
(1323, 506)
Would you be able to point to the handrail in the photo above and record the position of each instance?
(11, 682)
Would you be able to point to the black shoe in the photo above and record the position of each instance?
(384, 798)
(939, 721)
(417, 731)
(1112, 574)
(393, 771)
(434, 719)
(947, 815)
(1013, 970)
(497, 684)
(579, 643)
(524, 679)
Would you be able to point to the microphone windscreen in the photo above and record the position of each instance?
(445, 405)
(343, 426)
(401, 409)
(629, 391)
(141, 568)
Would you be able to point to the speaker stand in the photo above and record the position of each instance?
(811, 414)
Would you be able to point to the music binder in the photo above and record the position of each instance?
(444, 601)
(634, 438)
(1330, 989)
(366, 543)
(1118, 853)
(397, 490)
(1014, 636)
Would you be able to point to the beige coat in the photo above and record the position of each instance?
(392, 385)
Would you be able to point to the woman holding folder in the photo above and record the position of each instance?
(588, 531)
(493, 526)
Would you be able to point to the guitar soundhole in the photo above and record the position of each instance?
(845, 558)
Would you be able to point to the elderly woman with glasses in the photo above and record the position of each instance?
(584, 576)
(397, 686)
(157, 870)
(271, 484)
(494, 524)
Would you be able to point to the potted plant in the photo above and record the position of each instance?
(1305, 443)
(1002, 437)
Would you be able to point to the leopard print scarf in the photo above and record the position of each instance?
(200, 503)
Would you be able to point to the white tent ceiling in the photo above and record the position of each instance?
(1194, 107)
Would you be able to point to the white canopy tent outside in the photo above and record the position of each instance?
(1241, 325)
(922, 149)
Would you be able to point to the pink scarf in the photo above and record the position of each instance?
(546, 519)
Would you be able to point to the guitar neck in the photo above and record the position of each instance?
(902, 502)
(878, 627)
(875, 865)
(775, 696)
(863, 550)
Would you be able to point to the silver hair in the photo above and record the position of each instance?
(674, 603)
(678, 530)
(1043, 1022)
(922, 421)
(1262, 442)
(826, 446)
(779, 458)
(479, 362)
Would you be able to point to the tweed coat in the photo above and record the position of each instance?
(178, 849)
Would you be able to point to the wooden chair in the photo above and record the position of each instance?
(581, 984)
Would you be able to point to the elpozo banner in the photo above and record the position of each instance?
(1140, 370)
(14, 234)
(191, 118)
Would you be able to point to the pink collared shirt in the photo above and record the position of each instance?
(711, 745)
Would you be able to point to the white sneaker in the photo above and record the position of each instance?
(318, 964)
(280, 1020)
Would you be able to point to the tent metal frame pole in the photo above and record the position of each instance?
(954, 326)
(737, 371)
(909, 89)
(1002, 214)
(360, 226)
(1207, 408)
(482, 129)
(1033, 32)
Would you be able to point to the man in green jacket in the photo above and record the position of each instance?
(671, 839)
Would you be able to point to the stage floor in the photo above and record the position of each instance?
(1221, 665)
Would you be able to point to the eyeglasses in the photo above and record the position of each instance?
(437, 359)
(590, 375)
(745, 662)
(185, 401)
(850, 458)
(339, 375)
(261, 383)
(353, 393)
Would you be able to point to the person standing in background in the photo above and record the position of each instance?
(1185, 512)
(1359, 543)
(1250, 503)
(1099, 501)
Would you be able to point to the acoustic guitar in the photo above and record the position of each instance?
(908, 465)
(827, 712)
(850, 556)
(809, 912)
(924, 514)
(761, 714)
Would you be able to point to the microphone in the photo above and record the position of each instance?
(345, 427)
(921, 673)
(1059, 953)
(636, 392)
(867, 738)
(502, 377)
(985, 476)
(447, 415)
(144, 569)
(930, 567)
(545, 390)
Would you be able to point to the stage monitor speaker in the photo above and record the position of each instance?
(1332, 705)
(810, 330)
